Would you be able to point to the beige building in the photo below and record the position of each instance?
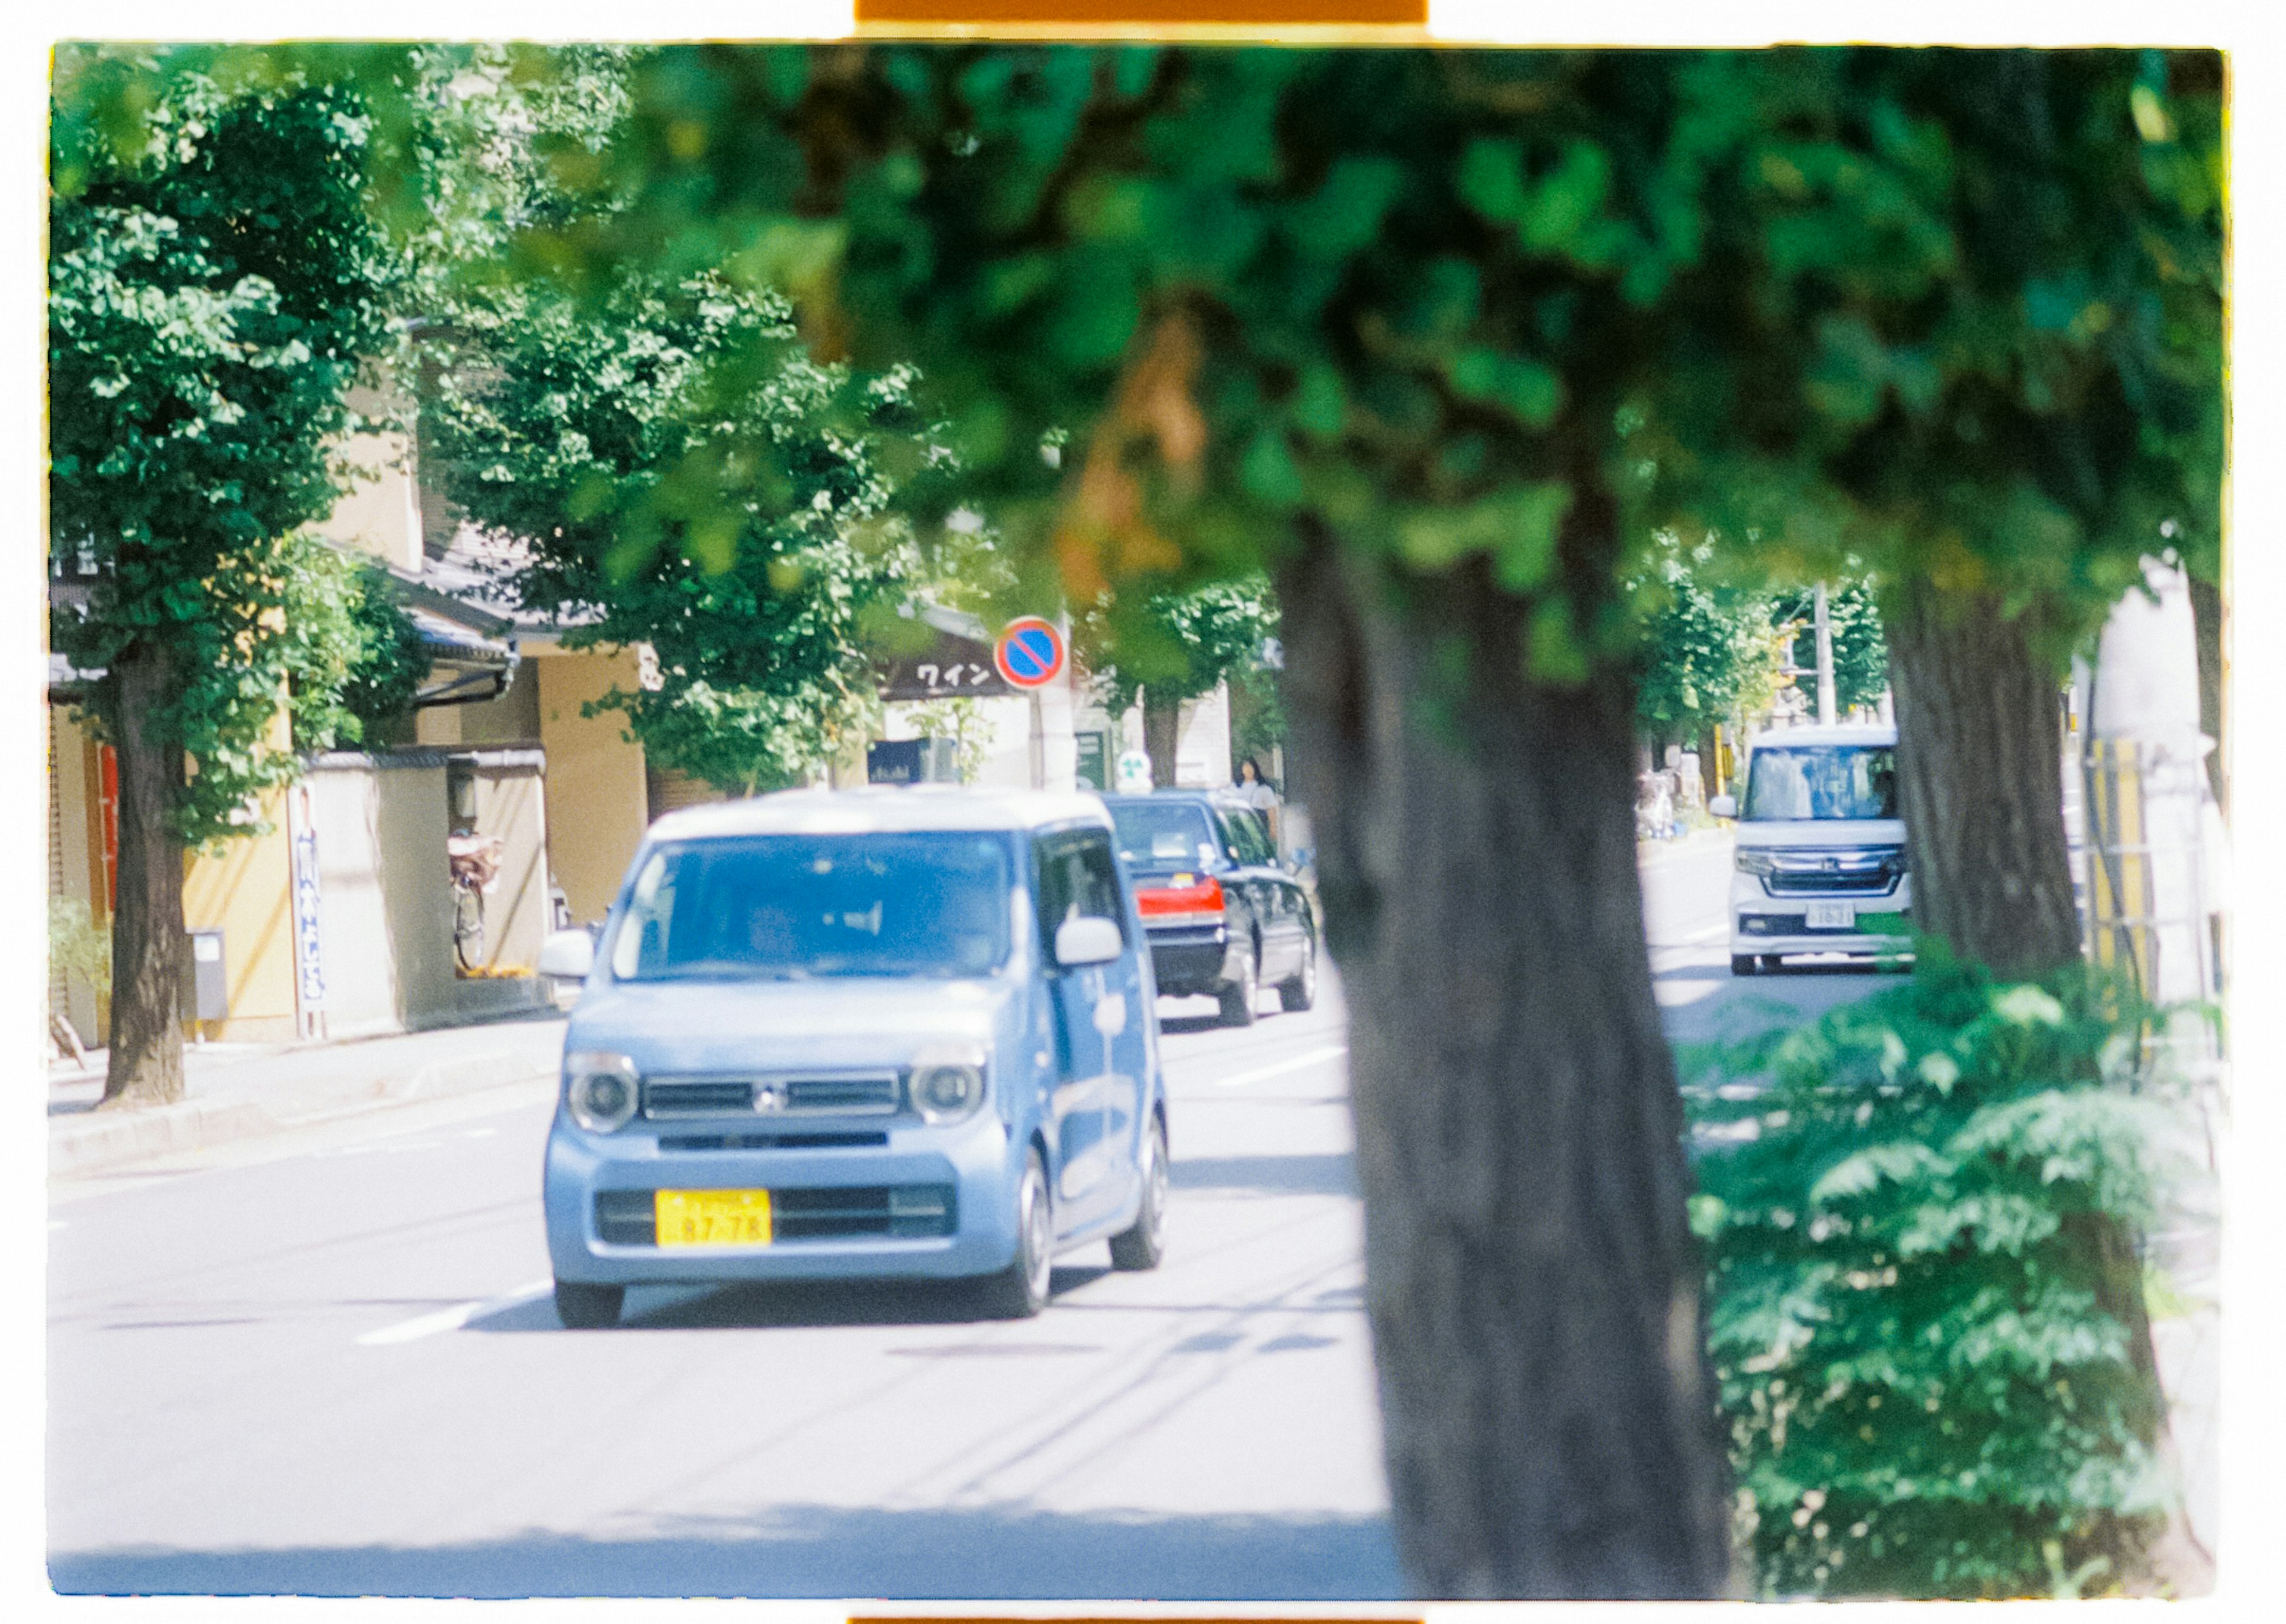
(409, 884)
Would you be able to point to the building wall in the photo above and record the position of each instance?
(1202, 741)
(517, 914)
(595, 776)
(379, 514)
(1008, 752)
(75, 851)
(358, 935)
(244, 888)
(512, 719)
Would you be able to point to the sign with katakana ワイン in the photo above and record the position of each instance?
(952, 667)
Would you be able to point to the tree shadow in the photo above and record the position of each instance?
(1330, 1173)
(786, 1304)
(811, 1550)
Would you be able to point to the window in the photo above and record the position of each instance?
(1787, 783)
(1078, 879)
(1247, 838)
(791, 907)
(1164, 834)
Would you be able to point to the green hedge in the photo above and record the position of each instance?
(1926, 1313)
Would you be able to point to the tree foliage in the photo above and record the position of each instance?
(584, 434)
(210, 305)
(1183, 644)
(1926, 1319)
(1988, 288)
(679, 471)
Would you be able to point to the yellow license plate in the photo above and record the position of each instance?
(712, 1218)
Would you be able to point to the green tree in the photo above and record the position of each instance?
(391, 660)
(1709, 647)
(599, 434)
(1990, 287)
(1179, 646)
(1441, 339)
(215, 287)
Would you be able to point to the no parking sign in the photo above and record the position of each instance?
(1030, 653)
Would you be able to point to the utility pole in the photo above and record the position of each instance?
(1824, 661)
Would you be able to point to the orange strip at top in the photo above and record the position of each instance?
(1402, 13)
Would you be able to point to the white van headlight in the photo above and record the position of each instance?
(1755, 860)
(947, 1083)
(602, 1090)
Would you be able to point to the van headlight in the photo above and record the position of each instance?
(602, 1090)
(946, 1084)
(1755, 860)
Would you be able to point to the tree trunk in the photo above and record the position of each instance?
(1533, 1289)
(147, 942)
(1162, 721)
(1980, 777)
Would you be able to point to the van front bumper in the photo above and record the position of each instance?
(934, 1203)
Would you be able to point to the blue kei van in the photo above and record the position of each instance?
(900, 1033)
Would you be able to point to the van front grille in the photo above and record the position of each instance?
(678, 1098)
(861, 1096)
(769, 1141)
(1841, 871)
(668, 1099)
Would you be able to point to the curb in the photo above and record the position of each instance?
(91, 1142)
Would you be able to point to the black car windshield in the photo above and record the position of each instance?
(1163, 834)
(1788, 783)
(783, 906)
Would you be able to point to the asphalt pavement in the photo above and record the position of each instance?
(322, 1360)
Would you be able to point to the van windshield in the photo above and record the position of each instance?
(790, 907)
(1787, 783)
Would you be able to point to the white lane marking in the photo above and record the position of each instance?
(1314, 1057)
(453, 1319)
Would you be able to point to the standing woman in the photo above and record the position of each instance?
(1256, 793)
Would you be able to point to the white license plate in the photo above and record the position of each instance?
(1832, 916)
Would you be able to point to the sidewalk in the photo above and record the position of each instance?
(238, 1090)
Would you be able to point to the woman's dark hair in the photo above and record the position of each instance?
(1246, 762)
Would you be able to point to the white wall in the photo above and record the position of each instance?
(1008, 750)
(1202, 741)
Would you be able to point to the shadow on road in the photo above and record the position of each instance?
(1175, 1026)
(812, 1550)
(1331, 1173)
(748, 1306)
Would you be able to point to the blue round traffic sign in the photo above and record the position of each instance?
(1030, 653)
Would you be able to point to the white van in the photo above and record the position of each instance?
(1821, 849)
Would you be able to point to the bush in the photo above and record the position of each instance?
(1926, 1318)
(77, 945)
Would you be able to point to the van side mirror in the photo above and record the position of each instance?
(1722, 806)
(567, 955)
(1087, 942)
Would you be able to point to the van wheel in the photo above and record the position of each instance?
(587, 1308)
(1239, 998)
(1021, 1290)
(1744, 963)
(1142, 1246)
(1298, 993)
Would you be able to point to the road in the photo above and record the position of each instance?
(325, 1363)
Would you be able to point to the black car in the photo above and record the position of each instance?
(1223, 915)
